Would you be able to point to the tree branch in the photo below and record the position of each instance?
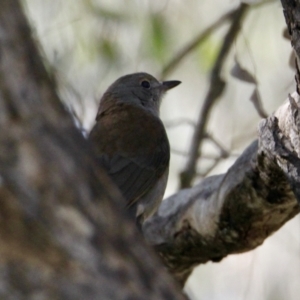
(217, 85)
(198, 40)
(233, 212)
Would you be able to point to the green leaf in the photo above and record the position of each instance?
(207, 53)
(108, 50)
(158, 37)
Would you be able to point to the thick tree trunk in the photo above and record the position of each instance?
(62, 235)
(233, 212)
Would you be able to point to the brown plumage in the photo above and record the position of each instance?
(131, 143)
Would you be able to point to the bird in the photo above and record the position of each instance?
(130, 141)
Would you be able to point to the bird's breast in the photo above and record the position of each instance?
(129, 129)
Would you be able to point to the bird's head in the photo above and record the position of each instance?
(140, 89)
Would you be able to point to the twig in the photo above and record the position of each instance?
(224, 153)
(258, 104)
(200, 38)
(216, 88)
(209, 169)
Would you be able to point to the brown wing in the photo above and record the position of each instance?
(136, 160)
(136, 176)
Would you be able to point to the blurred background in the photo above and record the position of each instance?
(88, 44)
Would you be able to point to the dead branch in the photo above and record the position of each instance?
(233, 212)
(216, 88)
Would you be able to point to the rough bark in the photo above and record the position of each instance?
(60, 233)
(233, 212)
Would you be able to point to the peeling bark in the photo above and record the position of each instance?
(233, 212)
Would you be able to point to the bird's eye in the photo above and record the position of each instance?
(145, 84)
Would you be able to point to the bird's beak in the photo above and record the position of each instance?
(167, 85)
